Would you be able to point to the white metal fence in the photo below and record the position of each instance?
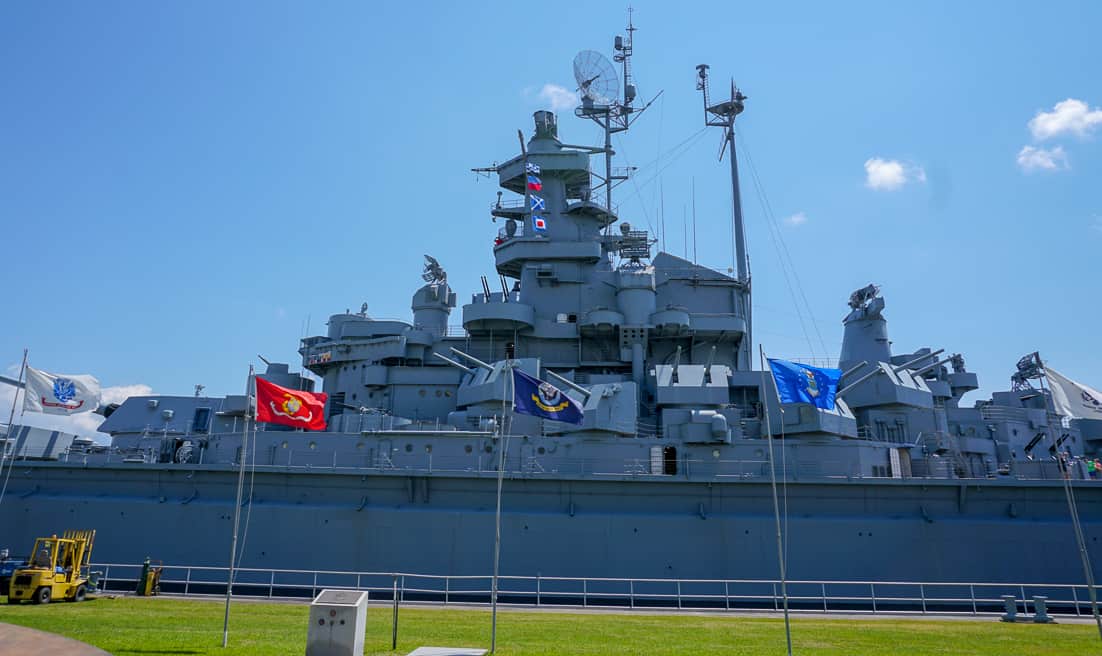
(695, 594)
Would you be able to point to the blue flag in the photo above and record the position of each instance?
(801, 383)
(532, 396)
(538, 205)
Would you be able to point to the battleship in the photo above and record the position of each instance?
(667, 476)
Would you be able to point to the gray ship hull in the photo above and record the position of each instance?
(905, 530)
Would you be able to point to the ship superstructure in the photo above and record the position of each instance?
(667, 475)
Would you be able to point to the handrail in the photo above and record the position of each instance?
(860, 596)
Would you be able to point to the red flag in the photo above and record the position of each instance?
(279, 405)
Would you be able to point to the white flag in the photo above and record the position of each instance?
(1073, 399)
(60, 394)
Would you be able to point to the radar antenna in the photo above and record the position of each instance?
(434, 274)
(597, 80)
(599, 86)
(860, 298)
(1029, 368)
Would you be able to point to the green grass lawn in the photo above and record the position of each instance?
(169, 626)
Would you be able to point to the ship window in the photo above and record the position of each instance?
(572, 318)
(201, 421)
(428, 448)
(409, 448)
(313, 445)
(468, 448)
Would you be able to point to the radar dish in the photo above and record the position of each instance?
(597, 79)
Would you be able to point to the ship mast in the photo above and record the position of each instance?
(722, 114)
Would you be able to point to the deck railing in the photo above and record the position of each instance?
(873, 597)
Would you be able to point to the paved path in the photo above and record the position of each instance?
(21, 641)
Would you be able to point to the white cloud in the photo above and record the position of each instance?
(890, 174)
(1033, 158)
(558, 98)
(1068, 117)
(84, 424)
(796, 220)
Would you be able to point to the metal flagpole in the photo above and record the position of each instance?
(8, 437)
(237, 506)
(776, 505)
(497, 515)
(1073, 509)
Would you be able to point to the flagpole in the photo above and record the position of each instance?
(8, 437)
(497, 515)
(1073, 509)
(237, 507)
(776, 504)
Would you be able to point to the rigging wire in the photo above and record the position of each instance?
(788, 267)
(623, 153)
(249, 509)
(777, 238)
(684, 147)
(10, 439)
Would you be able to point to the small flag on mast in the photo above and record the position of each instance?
(532, 168)
(534, 183)
(538, 204)
(801, 383)
(539, 224)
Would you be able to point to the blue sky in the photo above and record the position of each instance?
(184, 185)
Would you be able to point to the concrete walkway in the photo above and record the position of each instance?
(29, 642)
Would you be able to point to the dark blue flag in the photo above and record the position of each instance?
(801, 383)
(532, 396)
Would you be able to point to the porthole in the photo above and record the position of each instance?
(715, 453)
(284, 445)
(489, 448)
(541, 450)
(428, 448)
(421, 393)
(468, 448)
(359, 445)
(409, 448)
(313, 445)
(439, 393)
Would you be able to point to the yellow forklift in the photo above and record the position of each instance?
(57, 569)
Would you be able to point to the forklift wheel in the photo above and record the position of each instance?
(80, 594)
(42, 595)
